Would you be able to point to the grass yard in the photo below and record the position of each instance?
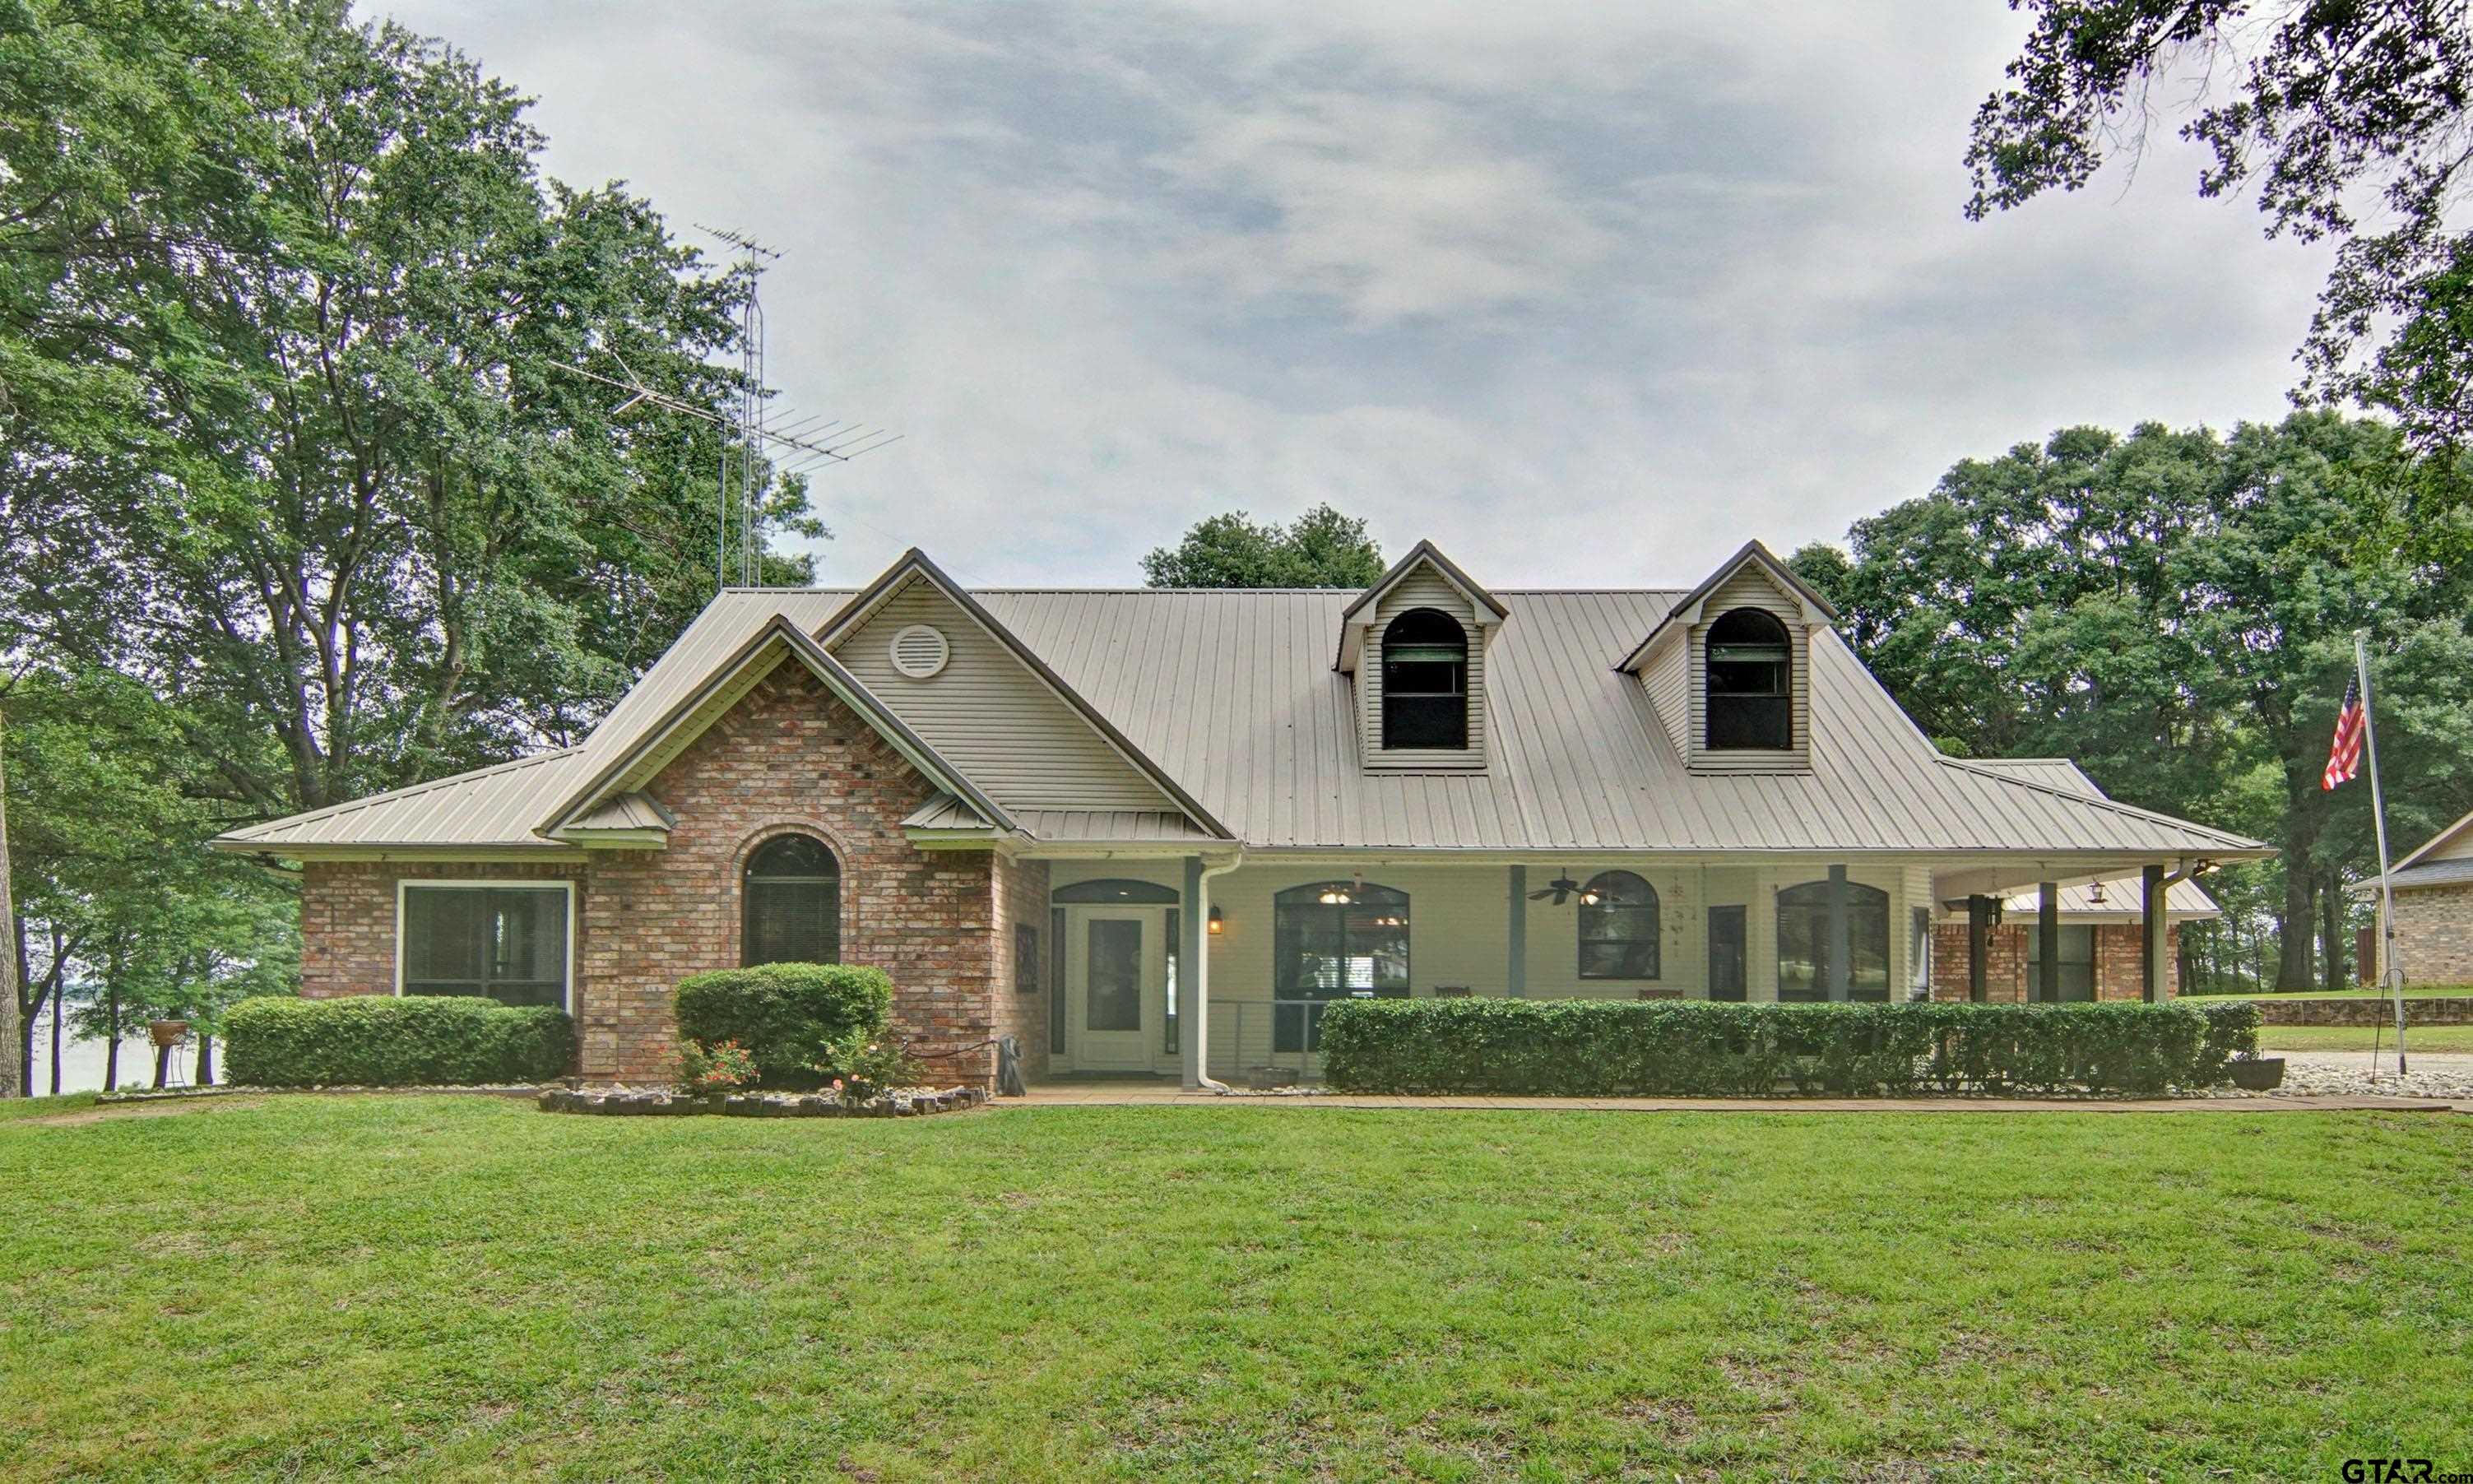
(2357, 1038)
(464, 1288)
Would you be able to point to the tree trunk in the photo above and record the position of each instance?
(16, 1072)
(56, 1045)
(2296, 924)
(112, 1046)
(162, 1066)
(205, 1077)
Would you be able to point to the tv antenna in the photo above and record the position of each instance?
(794, 446)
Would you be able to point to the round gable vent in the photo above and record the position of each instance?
(920, 652)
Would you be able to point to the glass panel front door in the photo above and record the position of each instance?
(1116, 990)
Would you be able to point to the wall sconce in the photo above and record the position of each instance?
(1218, 923)
(2095, 894)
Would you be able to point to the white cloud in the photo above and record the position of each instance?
(1586, 292)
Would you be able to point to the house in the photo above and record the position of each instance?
(2433, 907)
(1157, 832)
(2098, 925)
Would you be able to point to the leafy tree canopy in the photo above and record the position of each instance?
(2347, 118)
(1321, 548)
(2175, 610)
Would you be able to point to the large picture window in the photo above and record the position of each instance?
(1751, 682)
(792, 903)
(1333, 940)
(1425, 682)
(1618, 927)
(501, 942)
(1803, 941)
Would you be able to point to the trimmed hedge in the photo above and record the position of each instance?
(383, 1041)
(1695, 1048)
(785, 1015)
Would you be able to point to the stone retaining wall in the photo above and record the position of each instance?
(2301, 1010)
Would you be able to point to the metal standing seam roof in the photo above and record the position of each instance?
(497, 807)
(1231, 694)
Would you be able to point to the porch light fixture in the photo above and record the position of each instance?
(2095, 894)
(1218, 923)
(1333, 895)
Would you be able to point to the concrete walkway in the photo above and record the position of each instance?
(1165, 1094)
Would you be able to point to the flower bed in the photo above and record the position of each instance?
(652, 1103)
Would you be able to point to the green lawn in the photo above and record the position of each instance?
(2357, 1038)
(464, 1288)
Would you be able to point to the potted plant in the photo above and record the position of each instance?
(2256, 1073)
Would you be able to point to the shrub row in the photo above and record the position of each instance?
(791, 1018)
(1691, 1048)
(387, 1041)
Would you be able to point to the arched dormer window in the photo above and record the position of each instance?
(793, 904)
(1750, 700)
(1425, 682)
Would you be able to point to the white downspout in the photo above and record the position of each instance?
(1202, 975)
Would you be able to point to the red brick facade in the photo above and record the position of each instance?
(2118, 963)
(789, 757)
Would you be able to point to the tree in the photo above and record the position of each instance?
(1321, 548)
(2327, 107)
(2175, 610)
(292, 323)
(15, 1076)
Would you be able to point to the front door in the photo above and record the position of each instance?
(1116, 978)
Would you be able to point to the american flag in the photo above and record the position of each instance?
(2344, 759)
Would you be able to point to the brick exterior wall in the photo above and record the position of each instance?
(1021, 901)
(2117, 962)
(2433, 930)
(788, 756)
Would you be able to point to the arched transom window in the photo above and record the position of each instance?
(1751, 700)
(1618, 927)
(793, 904)
(1425, 682)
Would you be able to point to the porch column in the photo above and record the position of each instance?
(1979, 947)
(1841, 941)
(1193, 1010)
(2047, 942)
(2152, 930)
(1515, 969)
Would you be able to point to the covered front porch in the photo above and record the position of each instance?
(1198, 968)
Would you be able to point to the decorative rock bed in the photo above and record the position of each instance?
(653, 1103)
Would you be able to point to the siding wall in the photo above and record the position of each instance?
(1667, 678)
(1423, 587)
(996, 720)
(1750, 588)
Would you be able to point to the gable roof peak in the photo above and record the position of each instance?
(1427, 553)
(1752, 553)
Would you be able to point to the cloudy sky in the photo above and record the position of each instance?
(1588, 293)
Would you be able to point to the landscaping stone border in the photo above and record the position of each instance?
(2303, 1010)
(652, 1103)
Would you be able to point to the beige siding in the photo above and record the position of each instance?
(1423, 587)
(991, 716)
(1668, 677)
(2460, 848)
(1751, 587)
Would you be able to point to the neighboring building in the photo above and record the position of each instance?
(1158, 831)
(2433, 907)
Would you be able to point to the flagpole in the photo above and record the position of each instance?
(2394, 973)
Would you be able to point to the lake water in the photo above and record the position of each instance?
(81, 1063)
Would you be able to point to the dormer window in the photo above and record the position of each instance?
(1751, 682)
(1425, 682)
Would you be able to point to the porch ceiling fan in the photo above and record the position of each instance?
(1563, 889)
